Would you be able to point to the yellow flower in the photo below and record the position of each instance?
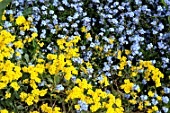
(133, 74)
(20, 20)
(51, 56)
(23, 96)
(56, 110)
(147, 103)
(127, 52)
(150, 111)
(43, 92)
(2, 85)
(83, 29)
(17, 54)
(132, 101)
(159, 98)
(44, 107)
(41, 44)
(34, 112)
(15, 86)
(77, 107)
(118, 102)
(34, 35)
(120, 73)
(140, 107)
(127, 86)
(3, 111)
(88, 35)
(155, 108)
(150, 93)
(18, 44)
(7, 95)
(3, 17)
(25, 81)
(29, 100)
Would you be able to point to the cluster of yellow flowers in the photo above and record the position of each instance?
(84, 91)
(5, 39)
(62, 62)
(12, 74)
(46, 109)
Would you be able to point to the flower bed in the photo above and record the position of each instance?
(75, 56)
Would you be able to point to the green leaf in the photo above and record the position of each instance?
(163, 2)
(27, 12)
(50, 79)
(57, 79)
(3, 5)
(20, 107)
(169, 19)
(16, 94)
(26, 56)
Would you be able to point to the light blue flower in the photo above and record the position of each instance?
(100, 78)
(144, 97)
(165, 99)
(83, 105)
(42, 83)
(127, 96)
(43, 7)
(59, 87)
(166, 90)
(108, 74)
(154, 101)
(53, 31)
(61, 8)
(149, 46)
(165, 109)
(135, 87)
(51, 12)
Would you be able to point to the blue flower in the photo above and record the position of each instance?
(83, 105)
(149, 46)
(127, 96)
(165, 99)
(108, 74)
(51, 12)
(100, 78)
(136, 87)
(144, 97)
(165, 109)
(60, 8)
(41, 1)
(166, 90)
(160, 27)
(159, 8)
(43, 7)
(42, 83)
(73, 78)
(154, 101)
(160, 45)
(53, 31)
(138, 2)
(59, 87)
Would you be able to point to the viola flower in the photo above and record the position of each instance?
(127, 86)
